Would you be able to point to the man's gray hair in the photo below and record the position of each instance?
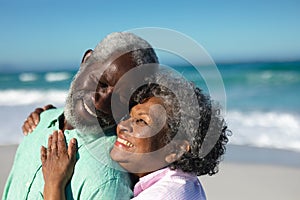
(120, 43)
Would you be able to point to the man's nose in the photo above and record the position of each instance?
(102, 99)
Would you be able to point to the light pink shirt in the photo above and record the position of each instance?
(169, 184)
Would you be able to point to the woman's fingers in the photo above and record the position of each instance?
(26, 128)
(43, 154)
(33, 119)
(49, 143)
(57, 147)
(49, 106)
(30, 121)
(61, 143)
(72, 148)
(54, 143)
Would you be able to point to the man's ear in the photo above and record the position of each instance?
(86, 55)
(179, 148)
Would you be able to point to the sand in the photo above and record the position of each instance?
(238, 179)
(6, 157)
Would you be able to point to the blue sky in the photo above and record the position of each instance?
(43, 33)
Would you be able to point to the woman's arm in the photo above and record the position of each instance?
(58, 164)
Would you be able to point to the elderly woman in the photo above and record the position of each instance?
(174, 133)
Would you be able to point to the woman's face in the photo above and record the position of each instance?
(138, 148)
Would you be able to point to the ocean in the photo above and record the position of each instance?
(262, 101)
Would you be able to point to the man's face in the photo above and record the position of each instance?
(90, 93)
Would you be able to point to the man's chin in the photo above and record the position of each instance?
(105, 123)
(105, 120)
(92, 125)
(91, 129)
(84, 127)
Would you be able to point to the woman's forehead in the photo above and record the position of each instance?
(154, 100)
(149, 103)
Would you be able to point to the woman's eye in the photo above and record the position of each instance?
(141, 121)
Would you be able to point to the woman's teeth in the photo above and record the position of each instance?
(125, 142)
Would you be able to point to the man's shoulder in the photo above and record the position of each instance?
(40, 134)
(49, 116)
(51, 113)
(100, 164)
(94, 175)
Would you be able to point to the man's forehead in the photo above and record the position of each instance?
(120, 60)
(113, 69)
(126, 59)
(121, 65)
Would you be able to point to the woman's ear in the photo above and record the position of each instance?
(179, 147)
(86, 55)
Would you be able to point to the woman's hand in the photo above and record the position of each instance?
(33, 119)
(58, 164)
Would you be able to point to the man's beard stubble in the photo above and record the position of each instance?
(102, 122)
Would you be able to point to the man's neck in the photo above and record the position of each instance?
(67, 126)
(63, 124)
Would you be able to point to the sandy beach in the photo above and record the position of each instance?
(253, 181)
(244, 174)
(7, 154)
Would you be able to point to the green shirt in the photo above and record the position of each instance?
(95, 175)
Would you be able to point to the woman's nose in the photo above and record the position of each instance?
(125, 126)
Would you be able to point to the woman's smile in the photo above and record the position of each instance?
(123, 143)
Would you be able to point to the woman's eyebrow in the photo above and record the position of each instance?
(143, 113)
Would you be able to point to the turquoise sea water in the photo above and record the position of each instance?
(263, 100)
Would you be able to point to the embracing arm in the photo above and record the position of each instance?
(58, 164)
(34, 118)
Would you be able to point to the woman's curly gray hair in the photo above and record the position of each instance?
(192, 116)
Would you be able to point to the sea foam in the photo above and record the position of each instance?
(25, 77)
(57, 76)
(31, 97)
(265, 129)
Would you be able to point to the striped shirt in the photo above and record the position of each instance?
(169, 184)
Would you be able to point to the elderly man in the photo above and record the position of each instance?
(88, 104)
